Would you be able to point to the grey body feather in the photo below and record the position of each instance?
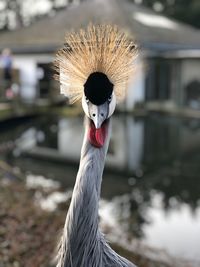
(82, 244)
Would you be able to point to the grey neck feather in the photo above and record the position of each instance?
(81, 225)
(82, 244)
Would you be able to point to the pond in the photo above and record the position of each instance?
(151, 185)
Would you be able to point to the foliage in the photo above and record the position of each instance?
(183, 10)
(17, 13)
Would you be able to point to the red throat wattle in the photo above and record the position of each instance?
(97, 137)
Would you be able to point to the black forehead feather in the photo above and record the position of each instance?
(98, 88)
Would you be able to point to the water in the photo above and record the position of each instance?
(151, 185)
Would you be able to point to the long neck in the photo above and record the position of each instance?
(81, 225)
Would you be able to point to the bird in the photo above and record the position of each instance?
(93, 67)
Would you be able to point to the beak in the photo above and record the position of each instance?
(98, 114)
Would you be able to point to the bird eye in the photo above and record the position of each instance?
(87, 100)
(110, 98)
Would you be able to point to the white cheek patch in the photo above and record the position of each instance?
(85, 106)
(93, 109)
(112, 105)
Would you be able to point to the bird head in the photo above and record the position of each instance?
(94, 66)
(98, 103)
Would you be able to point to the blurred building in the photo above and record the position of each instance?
(170, 52)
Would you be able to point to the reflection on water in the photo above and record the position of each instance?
(52, 197)
(180, 225)
(153, 163)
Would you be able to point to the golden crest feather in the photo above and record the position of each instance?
(101, 48)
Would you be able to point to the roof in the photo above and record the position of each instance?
(152, 31)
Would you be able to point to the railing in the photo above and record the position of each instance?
(27, 91)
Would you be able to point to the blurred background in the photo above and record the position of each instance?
(150, 206)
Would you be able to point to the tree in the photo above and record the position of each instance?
(17, 13)
(183, 10)
(11, 13)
